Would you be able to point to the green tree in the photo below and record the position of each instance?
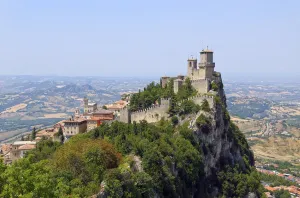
(135, 129)
(204, 123)
(61, 135)
(104, 107)
(2, 178)
(214, 86)
(173, 108)
(33, 134)
(174, 120)
(205, 106)
(188, 106)
(282, 194)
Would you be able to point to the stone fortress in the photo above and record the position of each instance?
(201, 74)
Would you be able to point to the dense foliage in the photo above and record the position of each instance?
(204, 123)
(282, 194)
(165, 159)
(154, 92)
(275, 180)
(171, 159)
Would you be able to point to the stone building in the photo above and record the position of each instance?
(74, 126)
(103, 114)
(201, 74)
(89, 107)
(93, 123)
(117, 106)
(18, 150)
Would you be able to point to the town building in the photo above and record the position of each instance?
(117, 106)
(103, 114)
(89, 107)
(18, 150)
(93, 123)
(49, 133)
(74, 126)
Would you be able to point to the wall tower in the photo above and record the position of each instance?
(191, 66)
(207, 62)
(86, 104)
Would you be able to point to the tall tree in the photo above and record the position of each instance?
(61, 135)
(33, 133)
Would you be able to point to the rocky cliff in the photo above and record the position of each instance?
(202, 155)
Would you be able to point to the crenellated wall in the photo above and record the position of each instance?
(198, 99)
(197, 73)
(152, 114)
(157, 112)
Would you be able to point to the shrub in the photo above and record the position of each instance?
(214, 86)
(217, 100)
(205, 106)
(174, 120)
(188, 106)
(204, 123)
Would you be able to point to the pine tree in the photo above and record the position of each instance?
(135, 129)
(61, 135)
(33, 134)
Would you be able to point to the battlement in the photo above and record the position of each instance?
(199, 97)
(146, 109)
(198, 80)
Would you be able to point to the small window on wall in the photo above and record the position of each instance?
(190, 64)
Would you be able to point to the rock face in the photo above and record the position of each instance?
(205, 157)
(218, 145)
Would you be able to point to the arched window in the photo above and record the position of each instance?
(190, 64)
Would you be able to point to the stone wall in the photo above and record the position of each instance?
(198, 99)
(157, 112)
(152, 114)
(197, 73)
(125, 115)
(201, 85)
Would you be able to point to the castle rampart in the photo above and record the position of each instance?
(201, 75)
(152, 114)
(157, 112)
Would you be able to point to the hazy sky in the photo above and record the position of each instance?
(148, 38)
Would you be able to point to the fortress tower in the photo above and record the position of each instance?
(207, 62)
(200, 73)
(192, 66)
(86, 104)
(89, 107)
(77, 112)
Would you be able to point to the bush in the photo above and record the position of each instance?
(214, 86)
(188, 106)
(204, 123)
(205, 106)
(174, 120)
(282, 194)
(217, 100)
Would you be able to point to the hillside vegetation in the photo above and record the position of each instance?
(172, 165)
(164, 159)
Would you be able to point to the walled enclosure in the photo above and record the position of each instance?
(155, 113)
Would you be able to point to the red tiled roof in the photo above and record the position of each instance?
(27, 147)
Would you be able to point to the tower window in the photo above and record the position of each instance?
(190, 64)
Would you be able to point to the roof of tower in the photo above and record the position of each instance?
(192, 58)
(206, 50)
